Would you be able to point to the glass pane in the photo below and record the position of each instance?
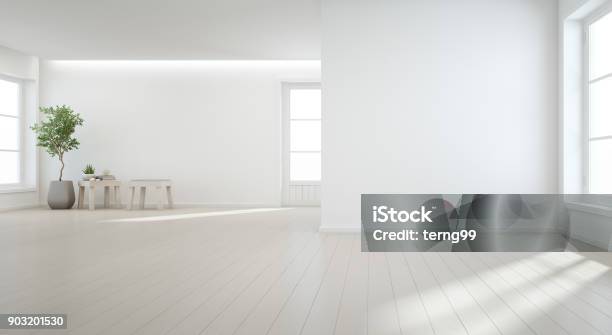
(600, 48)
(305, 166)
(601, 108)
(305, 103)
(9, 98)
(9, 167)
(305, 135)
(9, 133)
(600, 166)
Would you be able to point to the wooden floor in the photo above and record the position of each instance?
(268, 271)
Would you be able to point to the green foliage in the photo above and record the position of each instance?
(55, 133)
(89, 169)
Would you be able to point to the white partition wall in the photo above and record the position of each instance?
(437, 96)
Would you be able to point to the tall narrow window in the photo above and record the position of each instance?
(599, 86)
(305, 134)
(10, 124)
(301, 144)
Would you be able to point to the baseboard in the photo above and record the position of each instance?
(592, 242)
(153, 205)
(340, 229)
(21, 207)
(225, 205)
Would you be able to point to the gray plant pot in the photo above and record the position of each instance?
(61, 194)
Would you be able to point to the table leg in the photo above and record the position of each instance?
(143, 191)
(160, 198)
(106, 196)
(117, 197)
(92, 201)
(132, 191)
(81, 197)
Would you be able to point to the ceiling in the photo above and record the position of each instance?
(162, 29)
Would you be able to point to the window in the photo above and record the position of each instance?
(305, 134)
(301, 144)
(10, 125)
(599, 92)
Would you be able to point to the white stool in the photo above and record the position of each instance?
(112, 192)
(161, 185)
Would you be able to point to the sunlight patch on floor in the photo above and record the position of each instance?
(187, 216)
(520, 287)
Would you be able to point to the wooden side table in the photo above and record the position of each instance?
(112, 193)
(161, 185)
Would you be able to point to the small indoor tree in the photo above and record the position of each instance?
(55, 133)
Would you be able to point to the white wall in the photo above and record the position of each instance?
(437, 96)
(213, 127)
(566, 7)
(18, 65)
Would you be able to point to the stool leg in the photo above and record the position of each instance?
(118, 197)
(143, 191)
(112, 197)
(169, 195)
(160, 198)
(92, 200)
(132, 194)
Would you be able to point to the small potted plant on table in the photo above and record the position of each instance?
(89, 172)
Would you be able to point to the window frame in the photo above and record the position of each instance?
(294, 192)
(20, 132)
(287, 88)
(586, 89)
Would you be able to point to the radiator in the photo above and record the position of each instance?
(303, 195)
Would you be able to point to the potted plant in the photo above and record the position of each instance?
(89, 172)
(55, 135)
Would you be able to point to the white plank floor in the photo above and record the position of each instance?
(268, 271)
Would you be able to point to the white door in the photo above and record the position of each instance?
(301, 144)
